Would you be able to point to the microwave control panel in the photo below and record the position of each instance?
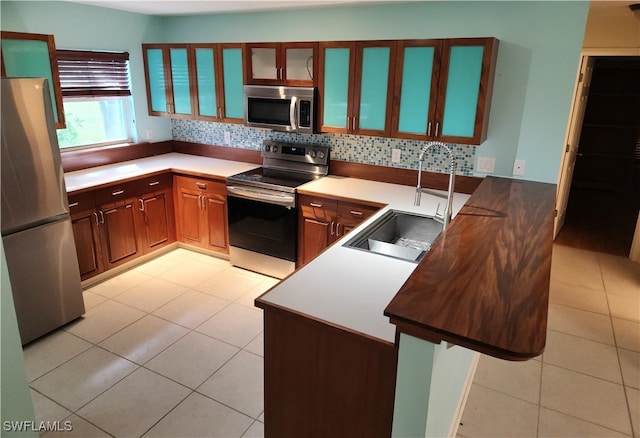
(305, 114)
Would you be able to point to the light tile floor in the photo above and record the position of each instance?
(173, 348)
(587, 382)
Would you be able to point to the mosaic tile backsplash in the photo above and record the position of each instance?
(353, 148)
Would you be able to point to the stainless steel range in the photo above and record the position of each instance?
(263, 216)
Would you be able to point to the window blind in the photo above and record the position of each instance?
(93, 73)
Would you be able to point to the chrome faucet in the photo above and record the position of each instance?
(445, 218)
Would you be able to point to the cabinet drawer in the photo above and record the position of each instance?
(204, 186)
(351, 213)
(116, 192)
(313, 207)
(154, 183)
(81, 203)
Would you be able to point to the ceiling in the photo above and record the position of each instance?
(193, 7)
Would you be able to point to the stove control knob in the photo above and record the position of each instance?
(274, 149)
(321, 155)
(312, 154)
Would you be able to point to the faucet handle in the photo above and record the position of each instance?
(439, 216)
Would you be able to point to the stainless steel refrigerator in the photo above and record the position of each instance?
(36, 228)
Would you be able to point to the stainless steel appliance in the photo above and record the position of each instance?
(263, 215)
(291, 109)
(36, 228)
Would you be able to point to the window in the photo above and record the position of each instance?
(96, 98)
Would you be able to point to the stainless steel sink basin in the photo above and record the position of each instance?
(398, 234)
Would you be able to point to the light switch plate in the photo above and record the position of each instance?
(227, 137)
(486, 164)
(395, 155)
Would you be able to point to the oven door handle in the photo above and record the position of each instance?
(292, 113)
(284, 199)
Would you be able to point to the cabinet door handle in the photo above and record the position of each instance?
(429, 129)
(154, 183)
(315, 205)
(338, 229)
(75, 204)
(437, 129)
(101, 213)
(117, 192)
(141, 204)
(201, 186)
(357, 213)
(333, 228)
(95, 215)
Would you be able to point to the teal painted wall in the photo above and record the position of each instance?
(15, 403)
(77, 26)
(540, 44)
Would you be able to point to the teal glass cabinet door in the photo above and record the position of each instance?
(206, 82)
(374, 87)
(232, 72)
(463, 88)
(417, 88)
(156, 82)
(335, 87)
(180, 81)
(466, 87)
(31, 56)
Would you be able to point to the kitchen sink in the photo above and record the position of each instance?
(398, 234)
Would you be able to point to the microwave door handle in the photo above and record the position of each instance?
(292, 113)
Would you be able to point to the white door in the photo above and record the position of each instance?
(573, 139)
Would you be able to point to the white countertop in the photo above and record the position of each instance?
(96, 176)
(349, 287)
(343, 286)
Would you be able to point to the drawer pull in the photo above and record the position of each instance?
(75, 204)
(315, 205)
(357, 213)
(202, 186)
(117, 192)
(154, 183)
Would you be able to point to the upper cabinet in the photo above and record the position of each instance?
(218, 82)
(34, 56)
(356, 87)
(281, 63)
(195, 81)
(168, 80)
(444, 89)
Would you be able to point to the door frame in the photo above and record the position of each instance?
(576, 115)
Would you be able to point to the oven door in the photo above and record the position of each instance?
(262, 227)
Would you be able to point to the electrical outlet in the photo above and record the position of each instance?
(149, 134)
(518, 167)
(227, 137)
(395, 155)
(486, 164)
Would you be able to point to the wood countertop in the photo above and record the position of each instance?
(485, 283)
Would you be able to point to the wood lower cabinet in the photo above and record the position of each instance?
(86, 233)
(324, 381)
(119, 223)
(202, 212)
(323, 220)
(120, 240)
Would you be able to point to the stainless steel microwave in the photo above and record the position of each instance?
(290, 109)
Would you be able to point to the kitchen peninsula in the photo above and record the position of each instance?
(335, 366)
(358, 343)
